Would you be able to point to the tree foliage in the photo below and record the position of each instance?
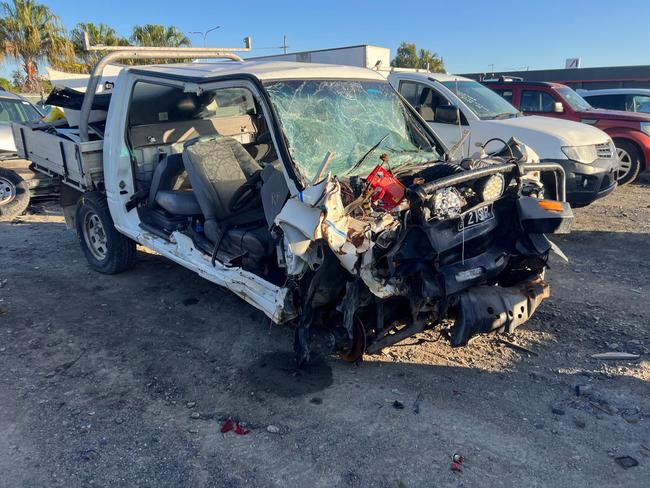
(98, 34)
(408, 56)
(159, 36)
(32, 35)
(6, 85)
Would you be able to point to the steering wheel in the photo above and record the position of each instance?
(244, 194)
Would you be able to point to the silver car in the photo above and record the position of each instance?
(17, 182)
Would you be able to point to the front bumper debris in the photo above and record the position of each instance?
(488, 308)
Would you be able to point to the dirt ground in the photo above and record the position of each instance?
(124, 380)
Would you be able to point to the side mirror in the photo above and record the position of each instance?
(558, 108)
(447, 114)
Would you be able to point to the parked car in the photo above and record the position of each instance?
(314, 192)
(487, 116)
(17, 182)
(627, 99)
(629, 131)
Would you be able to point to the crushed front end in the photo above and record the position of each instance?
(377, 259)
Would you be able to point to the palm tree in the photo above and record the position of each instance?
(31, 34)
(99, 34)
(158, 35)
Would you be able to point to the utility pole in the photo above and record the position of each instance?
(284, 44)
(205, 34)
(491, 67)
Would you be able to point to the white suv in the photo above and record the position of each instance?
(486, 116)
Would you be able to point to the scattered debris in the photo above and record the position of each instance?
(316, 401)
(605, 407)
(614, 355)
(631, 415)
(398, 405)
(416, 403)
(456, 462)
(273, 429)
(584, 390)
(190, 404)
(195, 415)
(557, 410)
(193, 430)
(626, 462)
(230, 425)
(516, 347)
(227, 426)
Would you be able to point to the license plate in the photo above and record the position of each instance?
(475, 216)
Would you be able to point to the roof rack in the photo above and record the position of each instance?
(144, 52)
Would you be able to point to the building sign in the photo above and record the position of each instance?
(572, 63)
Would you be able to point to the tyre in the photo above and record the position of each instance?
(630, 161)
(105, 248)
(14, 194)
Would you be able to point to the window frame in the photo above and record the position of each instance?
(540, 93)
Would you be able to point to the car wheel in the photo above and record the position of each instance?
(14, 194)
(106, 250)
(630, 161)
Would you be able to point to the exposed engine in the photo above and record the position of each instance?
(376, 259)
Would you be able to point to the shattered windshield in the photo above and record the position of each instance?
(355, 120)
(481, 100)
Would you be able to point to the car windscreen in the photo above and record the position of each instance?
(577, 103)
(348, 118)
(481, 100)
(17, 111)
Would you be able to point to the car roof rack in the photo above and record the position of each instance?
(114, 53)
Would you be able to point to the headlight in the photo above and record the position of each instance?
(582, 154)
(645, 127)
(491, 188)
(447, 204)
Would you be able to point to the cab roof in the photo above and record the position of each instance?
(263, 70)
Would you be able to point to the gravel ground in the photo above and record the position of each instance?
(125, 380)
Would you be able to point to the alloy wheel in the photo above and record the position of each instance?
(625, 163)
(7, 191)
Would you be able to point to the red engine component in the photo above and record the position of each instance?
(386, 190)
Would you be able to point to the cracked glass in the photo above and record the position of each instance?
(351, 119)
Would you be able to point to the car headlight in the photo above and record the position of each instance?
(491, 188)
(582, 154)
(447, 204)
(645, 127)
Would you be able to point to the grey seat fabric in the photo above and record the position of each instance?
(178, 202)
(168, 188)
(217, 167)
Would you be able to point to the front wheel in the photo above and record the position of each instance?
(14, 194)
(630, 161)
(106, 250)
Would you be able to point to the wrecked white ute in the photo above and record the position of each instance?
(318, 195)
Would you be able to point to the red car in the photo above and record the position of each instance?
(630, 131)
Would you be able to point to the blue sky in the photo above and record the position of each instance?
(469, 35)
